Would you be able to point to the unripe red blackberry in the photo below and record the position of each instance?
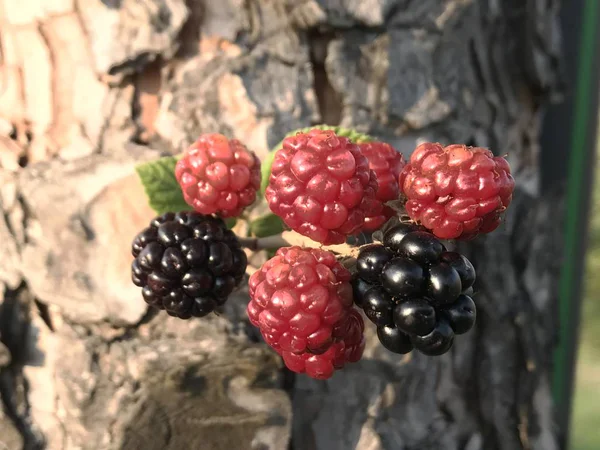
(322, 187)
(218, 175)
(347, 349)
(387, 164)
(456, 191)
(301, 300)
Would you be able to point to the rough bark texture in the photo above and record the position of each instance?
(89, 88)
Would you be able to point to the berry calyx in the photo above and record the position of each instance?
(218, 175)
(187, 263)
(321, 186)
(457, 192)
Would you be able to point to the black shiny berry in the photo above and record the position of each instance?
(378, 306)
(173, 263)
(151, 297)
(187, 263)
(187, 219)
(443, 284)
(402, 277)
(158, 221)
(173, 233)
(240, 261)
(371, 260)
(469, 291)
(394, 340)
(220, 258)
(210, 230)
(159, 283)
(138, 276)
(195, 251)
(203, 306)
(142, 240)
(223, 286)
(394, 236)
(421, 247)
(359, 288)
(177, 302)
(461, 314)
(150, 256)
(197, 282)
(436, 343)
(462, 265)
(415, 316)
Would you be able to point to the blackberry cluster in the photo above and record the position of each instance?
(415, 291)
(187, 263)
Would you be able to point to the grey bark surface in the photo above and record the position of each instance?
(84, 365)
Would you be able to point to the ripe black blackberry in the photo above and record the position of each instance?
(187, 263)
(415, 291)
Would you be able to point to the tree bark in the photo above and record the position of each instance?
(92, 87)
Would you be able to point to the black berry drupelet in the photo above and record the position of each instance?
(187, 263)
(415, 291)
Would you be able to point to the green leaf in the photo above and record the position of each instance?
(161, 186)
(267, 225)
(230, 222)
(353, 135)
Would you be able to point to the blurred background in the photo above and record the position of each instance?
(586, 412)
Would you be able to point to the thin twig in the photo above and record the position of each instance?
(288, 239)
(266, 243)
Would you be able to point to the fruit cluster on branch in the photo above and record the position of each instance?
(324, 185)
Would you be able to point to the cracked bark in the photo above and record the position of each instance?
(86, 366)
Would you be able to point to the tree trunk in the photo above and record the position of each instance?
(92, 87)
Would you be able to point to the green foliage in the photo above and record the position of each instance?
(160, 184)
(353, 135)
(267, 225)
(585, 434)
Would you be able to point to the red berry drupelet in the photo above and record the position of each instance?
(187, 263)
(301, 300)
(322, 187)
(218, 175)
(456, 191)
(387, 163)
(348, 349)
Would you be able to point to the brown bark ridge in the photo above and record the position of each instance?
(89, 88)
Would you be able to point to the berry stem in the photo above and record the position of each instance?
(266, 243)
(289, 238)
